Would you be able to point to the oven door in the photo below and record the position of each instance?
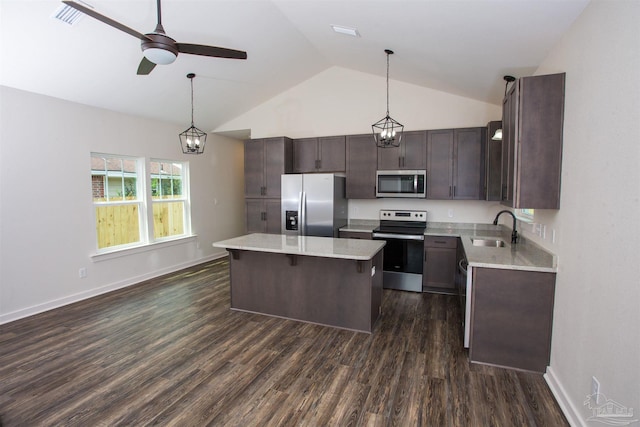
(403, 258)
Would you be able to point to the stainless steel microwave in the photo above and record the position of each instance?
(401, 183)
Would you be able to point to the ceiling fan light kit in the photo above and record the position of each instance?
(387, 132)
(193, 139)
(157, 47)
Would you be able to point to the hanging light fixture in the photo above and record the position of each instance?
(387, 132)
(193, 139)
(508, 79)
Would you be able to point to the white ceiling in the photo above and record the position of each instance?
(457, 46)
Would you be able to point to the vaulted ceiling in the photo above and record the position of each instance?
(459, 46)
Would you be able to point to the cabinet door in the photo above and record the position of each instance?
(272, 216)
(277, 158)
(305, 155)
(493, 171)
(511, 318)
(332, 154)
(362, 158)
(411, 154)
(254, 216)
(440, 163)
(414, 154)
(253, 168)
(468, 164)
(439, 269)
(390, 158)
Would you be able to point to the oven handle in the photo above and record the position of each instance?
(397, 236)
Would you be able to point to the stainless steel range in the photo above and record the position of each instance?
(404, 252)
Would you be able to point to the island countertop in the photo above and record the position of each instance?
(327, 247)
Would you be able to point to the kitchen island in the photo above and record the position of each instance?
(334, 282)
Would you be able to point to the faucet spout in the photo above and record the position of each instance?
(514, 233)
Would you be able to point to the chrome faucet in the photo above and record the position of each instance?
(514, 233)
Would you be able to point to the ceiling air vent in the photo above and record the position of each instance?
(69, 15)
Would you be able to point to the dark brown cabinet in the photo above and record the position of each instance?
(325, 154)
(263, 216)
(532, 118)
(411, 154)
(511, 318)
(455, 164)
(440, 263)
(265, 160)
(362, 159)
(493, 179)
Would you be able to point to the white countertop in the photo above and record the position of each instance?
(327, 247)
(524, 255)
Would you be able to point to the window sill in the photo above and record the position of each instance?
(103, 256)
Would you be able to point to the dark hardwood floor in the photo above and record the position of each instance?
(169, 351)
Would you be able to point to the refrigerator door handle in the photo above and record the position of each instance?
(302, 208)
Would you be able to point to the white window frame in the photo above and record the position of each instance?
(140, 202)
(525, 215)
(186, 198)
(145, 209)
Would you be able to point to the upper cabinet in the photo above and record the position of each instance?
(325, 154)
(265, 160)
(361, 167)
(532, 120)
(411, 154)
(456, 164)
(493, 180)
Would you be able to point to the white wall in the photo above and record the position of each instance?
(47, 229)
(344, 102)
(597, 306)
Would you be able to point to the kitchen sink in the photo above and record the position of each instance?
(492, 243)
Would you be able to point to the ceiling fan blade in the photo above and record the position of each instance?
(106, 20)
(217, 52)
(145, 67)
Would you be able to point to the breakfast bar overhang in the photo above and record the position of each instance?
(333, 282)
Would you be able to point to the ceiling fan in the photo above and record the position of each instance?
(157, 47)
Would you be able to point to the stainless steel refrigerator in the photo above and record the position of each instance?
(313, 204)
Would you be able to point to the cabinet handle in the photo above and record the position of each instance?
(263, 216)
(449, 191)
(318, 164)
(440, 242)
(454, 191)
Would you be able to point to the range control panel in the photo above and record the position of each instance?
(395, 215)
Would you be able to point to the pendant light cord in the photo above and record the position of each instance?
(387, 84)
(191, 78)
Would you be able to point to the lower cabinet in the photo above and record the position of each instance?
(511, 318)
(262, 215)
(355, 235)
(440, 263)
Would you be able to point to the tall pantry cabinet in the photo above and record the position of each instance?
(265, 160)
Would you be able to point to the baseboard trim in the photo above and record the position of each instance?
(568, 409)
(61, 302)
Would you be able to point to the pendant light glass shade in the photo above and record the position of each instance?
(193, 139)
(387, 132)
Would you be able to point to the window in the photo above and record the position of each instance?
(168, 198)
(525, 214)
(121, 199)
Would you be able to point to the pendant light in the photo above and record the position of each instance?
(508, 79)
(387, 132)
(193, 139)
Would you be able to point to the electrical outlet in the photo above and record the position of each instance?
(595, 390)
(553, 236)
(82, 273)
(543, 231)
